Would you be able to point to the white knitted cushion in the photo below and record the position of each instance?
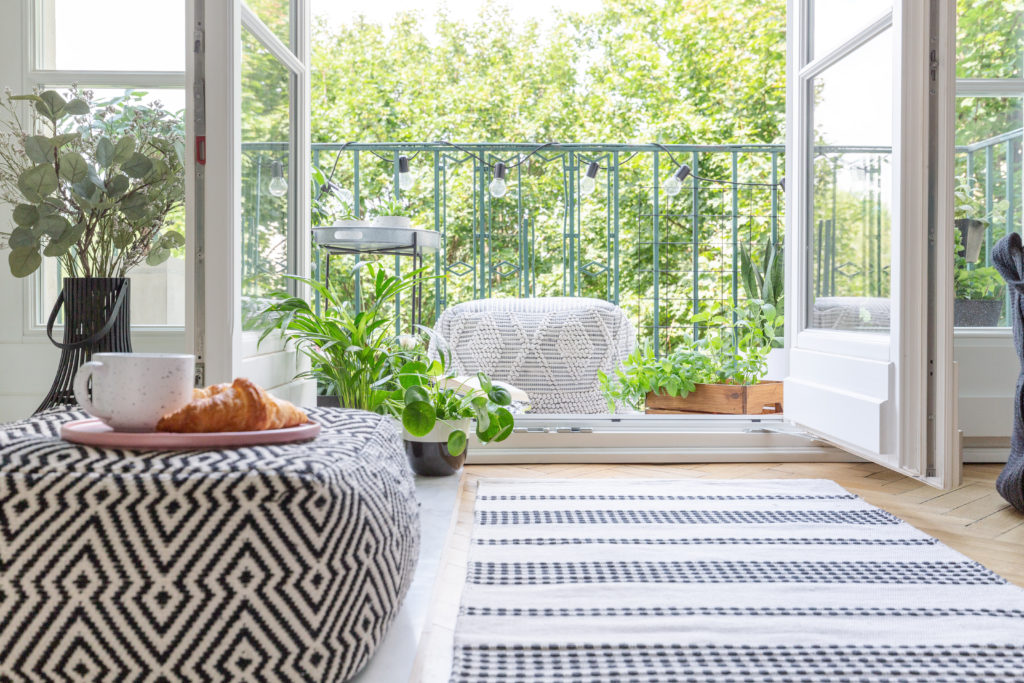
(550, 347)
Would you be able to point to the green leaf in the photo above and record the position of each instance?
(500, 395)
(137, 166)
(457, 442)
(86, 191)
(22, 238)
(39, 149)
(51, 105)
(38, 182)
(172, 240)
(123, 149)
(419, 418)
(117, 185)
(24, 261)
(506, 423)
(73, 167)
(123, 238)
(485, 382)
(25, 215)
(133, 207)
(104, 152)
(157, 255)
(53, 225)
(415, 394)
(63, 139)
(77, 107)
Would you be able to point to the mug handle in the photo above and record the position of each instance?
(82, 387)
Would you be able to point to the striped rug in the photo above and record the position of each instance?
(719, 581)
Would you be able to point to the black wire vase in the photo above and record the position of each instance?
(96, 320)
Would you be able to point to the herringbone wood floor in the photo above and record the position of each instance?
(973, 519)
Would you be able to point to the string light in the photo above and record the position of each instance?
(675, 184)
(278, 186)
(405, 179)
(498, 186)
(589, 183)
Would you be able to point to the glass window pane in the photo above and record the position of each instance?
(266, 190)
(987, 203)
(852, 193)
(836, 21)
(113, 35)
(276, 15)
(989, 39)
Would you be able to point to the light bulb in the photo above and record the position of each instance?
(675, 184)
(589, 182)
(278, 186)
(498, 186)
(404, 176)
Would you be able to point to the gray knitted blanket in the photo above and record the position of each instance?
(1008, 257)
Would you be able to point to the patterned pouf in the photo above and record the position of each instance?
(550, 347)
(270, 563)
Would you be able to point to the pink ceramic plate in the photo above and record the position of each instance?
(94, 432)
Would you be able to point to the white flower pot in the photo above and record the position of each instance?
(441, 430)
(778, 365)
(392, 222)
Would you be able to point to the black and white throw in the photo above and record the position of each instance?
(721, 581)
(271, 563)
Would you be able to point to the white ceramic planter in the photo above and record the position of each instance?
(392, 222)
(778, 365)
(441, 430)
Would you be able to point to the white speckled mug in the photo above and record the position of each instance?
(132, 391)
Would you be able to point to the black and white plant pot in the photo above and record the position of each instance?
(96, 320)
(972, 236)
(428, 455)
(977, 312)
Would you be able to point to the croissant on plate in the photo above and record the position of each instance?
(237, 407)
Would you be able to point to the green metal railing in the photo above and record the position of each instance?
(660, 257)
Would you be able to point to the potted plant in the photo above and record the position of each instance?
(391, 212)
(439, 411)
(354, 355)
(971, 218)
(721, 372)
(763, 281)
(978, 298)
(97, 186)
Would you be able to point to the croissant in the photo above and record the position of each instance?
(237, 407)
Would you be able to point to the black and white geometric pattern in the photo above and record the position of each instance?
(721, 581)
(269, 563)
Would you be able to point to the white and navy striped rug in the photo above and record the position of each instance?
(718, 581)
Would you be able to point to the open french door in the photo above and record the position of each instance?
(869, 239)
(248, 207)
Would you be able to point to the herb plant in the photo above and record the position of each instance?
(733, 350)
(980, 284)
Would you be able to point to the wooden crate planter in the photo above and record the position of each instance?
(764, 398)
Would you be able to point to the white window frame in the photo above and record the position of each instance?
(35, 16)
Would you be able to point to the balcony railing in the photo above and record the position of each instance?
(661, 256)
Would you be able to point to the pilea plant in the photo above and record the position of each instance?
(430, 393)
(92, 184)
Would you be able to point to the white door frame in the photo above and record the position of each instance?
(890, 398)
(223, 351)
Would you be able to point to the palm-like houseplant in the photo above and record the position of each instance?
(353, 355)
